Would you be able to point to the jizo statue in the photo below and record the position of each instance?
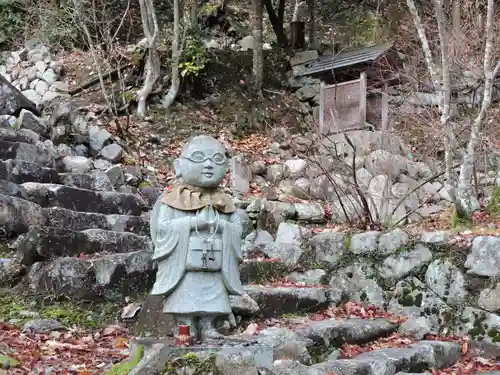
(197, 232)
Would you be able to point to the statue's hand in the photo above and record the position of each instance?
(199, 222)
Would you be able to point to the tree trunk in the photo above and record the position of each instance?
(194, 13)
(445, 95)
(152, 67)
(169, 98)
(258, 55)
(467, 202)
(442, 85)
(277, 21)
(311, 26)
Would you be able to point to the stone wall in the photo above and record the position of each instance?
(446, 282)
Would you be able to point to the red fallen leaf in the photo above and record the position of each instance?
(121, 343)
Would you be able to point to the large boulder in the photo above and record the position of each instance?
(13, 101)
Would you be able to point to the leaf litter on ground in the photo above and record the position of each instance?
(76, 351)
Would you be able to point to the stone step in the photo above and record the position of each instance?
(84, 200)
(134, 272)
(20, 171)
(32, 153)
(333, 333)
(20, 215)
(74, 220)
(279, 300)
(416, 358)
(110, 276)
(21, 135)
(45, 243)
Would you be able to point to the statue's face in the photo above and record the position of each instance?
(203, 162)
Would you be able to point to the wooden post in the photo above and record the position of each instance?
(362, 99)
(322, 108)
(385, 108)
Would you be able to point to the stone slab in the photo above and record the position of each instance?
(164, 350)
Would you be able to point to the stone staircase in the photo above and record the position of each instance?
(332, 346)
(76, 237)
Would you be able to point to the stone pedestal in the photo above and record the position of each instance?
(152, 321)
(157, 352)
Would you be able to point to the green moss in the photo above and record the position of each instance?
(348, 239)
(460, 220)
(406, 300)
(418, 300)
(125, 367)
(68, 313)
(11, 361)
(194, 365)
(144, 184)
(493, 207)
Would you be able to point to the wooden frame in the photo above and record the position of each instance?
(362, 101)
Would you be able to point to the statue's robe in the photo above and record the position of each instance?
(187, 291)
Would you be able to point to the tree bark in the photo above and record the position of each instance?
(277, 20)
(194, 13)
(467, 203)
(258, 54)
(169, 98)
(152, 67)
(441, 84)
(311, 26)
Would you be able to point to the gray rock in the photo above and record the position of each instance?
(356, 282)
(309, 277)
(328, 247)
(237, 362)
(286, 344)
(350, 331)
(484, 258)
(287, 246)
(489, 299)
(295, 168)
(102, 164)
(276, 301)
(381, 162)
(306, 93)
(309, 212)
(447, 281)
(393, 241)
(365, 243)
(115, 175)
(81, 150)
(423, 354)
(98, 138)
(244, 305)
(51, 243)
(29, 121)
(400, 265)
(77, 164)
(64, 276)
(113, 153)
(101, 181)
(416, 328)
(42, 326)
(19, 215)
(49, 76)
(256, 242)
(303, 57)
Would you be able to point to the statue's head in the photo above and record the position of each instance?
(202, 163)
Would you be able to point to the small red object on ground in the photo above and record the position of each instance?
(184, 337)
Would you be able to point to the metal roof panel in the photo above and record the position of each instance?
(343, 59)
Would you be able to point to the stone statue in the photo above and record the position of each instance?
(196, 232)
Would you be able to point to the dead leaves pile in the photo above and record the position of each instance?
(72, 352)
